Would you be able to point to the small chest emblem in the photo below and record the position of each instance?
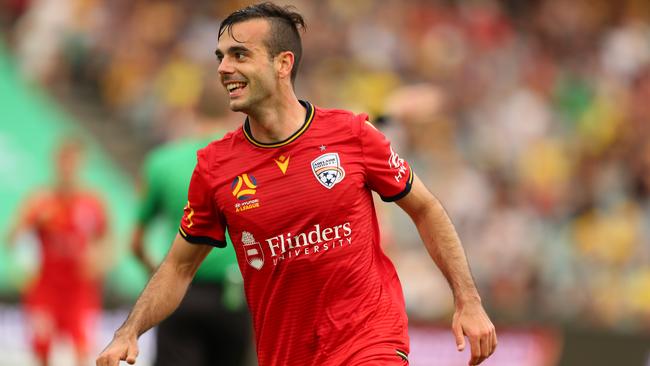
(328, 170)
(253, 250)
(283, 163)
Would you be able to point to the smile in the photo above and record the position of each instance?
(231, 87)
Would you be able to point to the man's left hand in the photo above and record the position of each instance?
(471, 320)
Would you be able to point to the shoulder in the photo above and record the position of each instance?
(218, 147)
(40, 195)
(340, 115)
(343, 119)
(219, 151)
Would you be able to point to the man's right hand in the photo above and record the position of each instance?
(159, 298)
(123, 347)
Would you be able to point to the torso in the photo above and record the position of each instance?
(302, 220)
(66, 226)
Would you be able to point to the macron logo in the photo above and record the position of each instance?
(283, 163)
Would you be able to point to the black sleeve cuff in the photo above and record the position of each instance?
(403, 193)
(205, 240)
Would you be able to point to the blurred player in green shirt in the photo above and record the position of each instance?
(211, 326)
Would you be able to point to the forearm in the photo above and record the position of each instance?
(15, 230)
(158, 300)
(137, 247)
(443, 244)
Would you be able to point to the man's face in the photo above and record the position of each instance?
(246, 69)
(68, 161)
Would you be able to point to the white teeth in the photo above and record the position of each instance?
(233, 86)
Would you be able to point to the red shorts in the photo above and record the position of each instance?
(385, 356)
(65, 313)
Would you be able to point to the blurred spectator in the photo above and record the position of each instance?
(70, 224)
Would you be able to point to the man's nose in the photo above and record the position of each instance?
(225, 66)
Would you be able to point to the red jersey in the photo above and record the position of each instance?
(65, 226)
(300, 214)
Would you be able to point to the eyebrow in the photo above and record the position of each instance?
(231, 50)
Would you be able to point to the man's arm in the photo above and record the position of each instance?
(442, 243)
(25, 219)
(99, 257)
(16, 228)
(138, 248)
(159, 299)
(149, 206)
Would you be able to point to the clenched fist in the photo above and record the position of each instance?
(123, 347)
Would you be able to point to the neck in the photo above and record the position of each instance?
(65, 188)
(276, 122)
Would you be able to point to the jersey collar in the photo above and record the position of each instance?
(308, 119)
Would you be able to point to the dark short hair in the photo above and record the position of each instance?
(283, 34)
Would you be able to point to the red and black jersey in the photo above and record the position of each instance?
(301, 217)
(66, 226)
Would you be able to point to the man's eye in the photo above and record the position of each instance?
(239, 56)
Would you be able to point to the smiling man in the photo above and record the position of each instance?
(293, 189)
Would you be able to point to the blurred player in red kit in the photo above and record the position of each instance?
(293, 189)
(70, 224)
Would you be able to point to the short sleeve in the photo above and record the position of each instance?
(202, 222)
(386, 173)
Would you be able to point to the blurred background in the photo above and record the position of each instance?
(530, 120)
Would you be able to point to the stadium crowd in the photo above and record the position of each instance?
(529, 120)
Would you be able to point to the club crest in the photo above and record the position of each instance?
(253, 250)
(328, 170)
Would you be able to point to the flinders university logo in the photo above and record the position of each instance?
(253, 250)
(328, 170)
(311, 241)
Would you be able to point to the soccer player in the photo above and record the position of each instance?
(211, 326)
(293, 189)
(70, 224)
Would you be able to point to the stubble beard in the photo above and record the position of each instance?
(249, 102)
(237, 107)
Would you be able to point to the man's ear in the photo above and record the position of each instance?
(284, 64)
